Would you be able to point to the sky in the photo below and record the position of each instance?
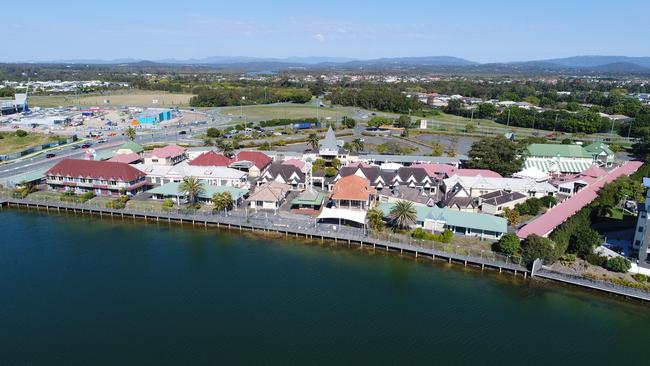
(483, 31)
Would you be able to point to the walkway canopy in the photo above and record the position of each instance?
(343, 214)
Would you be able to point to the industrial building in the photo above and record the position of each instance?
(154, 115)
(17, 105)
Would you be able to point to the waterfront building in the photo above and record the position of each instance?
(168, 155)
(285, 173)
(212, 175)
(103, 178)
(641, 241)
(436, 219)
(269, 196)
(495, 203)
(171, 191)
(479, 185)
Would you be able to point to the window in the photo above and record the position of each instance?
(640, 229)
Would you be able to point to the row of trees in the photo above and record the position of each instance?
(584, 121)
(233, 96)
(383, 99)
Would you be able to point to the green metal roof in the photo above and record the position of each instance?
(29, 177)
(130, 145)
(171, 189)
(312, 198)
(104, 155)
(598, 147)
(553, 150)
(470, 220)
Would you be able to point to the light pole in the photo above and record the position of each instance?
(508, 123)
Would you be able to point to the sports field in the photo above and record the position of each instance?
(292, 111)
(131, 99)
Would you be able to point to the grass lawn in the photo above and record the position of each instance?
(10, 143)
(145, 205)
(444, 117)
(291, 111)
(127, 98)
(45, 195)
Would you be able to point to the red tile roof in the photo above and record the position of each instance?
(125, 158)
(211, 158)
(436, 169)
(168, 151)
(352, 187)
(555, 216)
(96, 170)
(260, 160)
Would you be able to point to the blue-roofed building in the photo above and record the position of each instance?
(154, 115)
(436, 219)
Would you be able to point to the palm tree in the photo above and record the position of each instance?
(130, 133)
(403, 214)
(222, 201)
(313, 141)
(225, 147)
(192, 187)
(357, 145)
(375, 219)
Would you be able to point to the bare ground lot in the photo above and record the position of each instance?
(130, 98)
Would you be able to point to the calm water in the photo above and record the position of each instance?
(82, 290)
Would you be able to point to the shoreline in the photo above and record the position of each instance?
(338, 239)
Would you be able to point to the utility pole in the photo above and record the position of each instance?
(555, 123)
(508, 123)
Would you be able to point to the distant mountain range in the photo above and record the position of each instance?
(588, 64)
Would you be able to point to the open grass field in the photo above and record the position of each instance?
(10, 143)
(292, 111)
(135, 98)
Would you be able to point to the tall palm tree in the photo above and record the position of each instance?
(375, 218)
(403, 214)
(222, 201)
(357, 145)
(130, 133)
(225, 147)
(313, 141)
(192, 187)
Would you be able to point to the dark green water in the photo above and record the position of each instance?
(82, 290)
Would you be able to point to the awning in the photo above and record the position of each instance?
(343, 214)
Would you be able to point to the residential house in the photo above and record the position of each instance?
(130, 147)
(351, 198)
(103, 178)
(269, 196)
(309, 199)
(495, 203)
(459, 199)
(168, 155)
(252, 162)
(601, 153)
(284, 173)
(436, 219)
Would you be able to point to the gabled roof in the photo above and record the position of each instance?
(270, 192)
(501, 197)
(407, 193)
(286, 172)
(96, 170)
(553, 150)
(130, 145)
(169, 151)
(435, 169)
(211, 158)
(596, 148)
(259, 159)
(353, 188)
(125, 158)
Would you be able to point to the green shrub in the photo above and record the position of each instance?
(568, 258)
(507, 244)
(596, 259)
(87, 196)
(168, 203)
(21, 133)
(640, 277)
(618, 264)
(444, 237)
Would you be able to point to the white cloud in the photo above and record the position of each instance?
(319, 37)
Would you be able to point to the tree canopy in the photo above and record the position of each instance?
(498, 154)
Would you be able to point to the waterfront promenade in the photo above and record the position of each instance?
(290, 226)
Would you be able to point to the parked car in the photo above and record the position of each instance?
(101, 141)
(182, 132)
(50, 155)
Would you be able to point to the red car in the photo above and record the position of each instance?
(85, 146)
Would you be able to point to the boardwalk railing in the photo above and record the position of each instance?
(295, 225)
(603, 286)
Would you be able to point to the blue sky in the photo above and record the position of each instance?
(484, 31)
